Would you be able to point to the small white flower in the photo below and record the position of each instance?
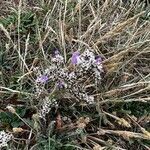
(4, 138)
(46, 106)
(57, 59)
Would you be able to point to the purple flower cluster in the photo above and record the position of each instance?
(87, 65)
(75, 57)
(42, 79)
(88, 62)
(98, 60)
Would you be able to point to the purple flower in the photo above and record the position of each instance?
(98, 60)
(56, 52)
(60, 84)
(74, 58)
(42, 79)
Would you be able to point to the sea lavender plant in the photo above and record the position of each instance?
(4, 139)
(46, 106)
(87, 65)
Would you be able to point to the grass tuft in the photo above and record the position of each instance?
(116, 30)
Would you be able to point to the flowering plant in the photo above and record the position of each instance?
(4, 139)
(72, 81)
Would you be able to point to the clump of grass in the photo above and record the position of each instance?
(118, 32)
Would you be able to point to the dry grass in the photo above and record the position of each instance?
(118, 31)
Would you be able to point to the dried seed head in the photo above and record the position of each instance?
(97, 147)
(124, 123)
(17, 130)
(11, 109)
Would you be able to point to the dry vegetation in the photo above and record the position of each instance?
(117, 31)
